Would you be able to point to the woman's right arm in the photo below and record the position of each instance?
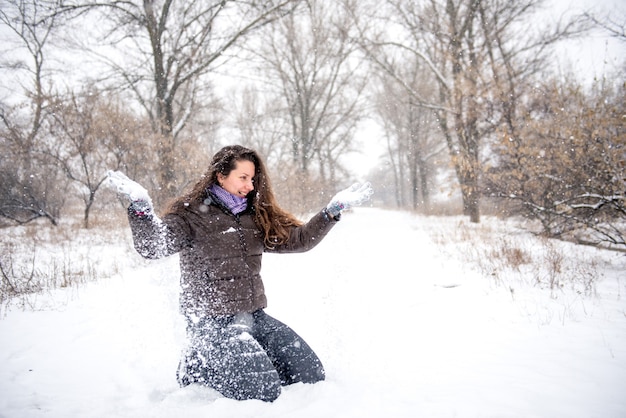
(156, 238)
(152, 237)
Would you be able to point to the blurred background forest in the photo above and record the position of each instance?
(468, 106)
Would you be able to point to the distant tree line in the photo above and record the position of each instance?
(463, 91)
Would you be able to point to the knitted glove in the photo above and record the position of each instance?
(130, 192)
(352, 196)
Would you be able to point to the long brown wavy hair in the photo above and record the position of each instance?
(268, 216)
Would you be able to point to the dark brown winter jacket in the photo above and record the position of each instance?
(220, 254)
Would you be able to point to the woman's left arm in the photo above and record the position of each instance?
(303, 238)
(307, 236)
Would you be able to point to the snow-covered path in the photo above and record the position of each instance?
(404, 329)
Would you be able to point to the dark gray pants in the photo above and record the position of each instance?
(247, 356)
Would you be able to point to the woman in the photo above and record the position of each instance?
(221, 229)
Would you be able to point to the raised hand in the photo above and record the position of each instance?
(129, 190)
(354, 195)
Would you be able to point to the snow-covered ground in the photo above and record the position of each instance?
(411, 315)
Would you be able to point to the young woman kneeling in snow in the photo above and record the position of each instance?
(221, 229)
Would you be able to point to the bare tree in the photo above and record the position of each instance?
(468, 47)
(26, 195)
(414, 143)
(165, 49)
(613, 23)
(314, 61)
(89, 134)
(29, 189)
(260, 124)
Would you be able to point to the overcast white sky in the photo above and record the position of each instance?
(598, 53)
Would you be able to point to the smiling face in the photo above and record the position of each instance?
(239, 181)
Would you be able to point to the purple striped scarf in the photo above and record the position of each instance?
(236, 204)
